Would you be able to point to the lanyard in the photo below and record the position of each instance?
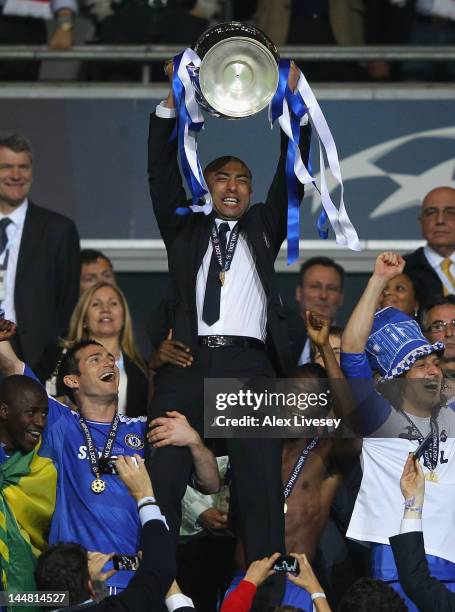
(107, 450)
(224, 259)
(298, 467)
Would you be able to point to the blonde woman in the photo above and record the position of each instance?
(102, 314)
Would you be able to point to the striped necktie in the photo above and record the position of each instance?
(3, 237)
(445, 267)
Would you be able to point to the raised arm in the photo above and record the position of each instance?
(9, 361)
(275, 211)
(175, 430)
(165, 181)
(428, 593)
(355, 336)
(344, 404)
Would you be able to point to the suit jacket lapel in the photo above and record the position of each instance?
(202, 240)
(31, 239)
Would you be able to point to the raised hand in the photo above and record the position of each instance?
(7, 329)
(172, 429)
(412, 482)
(388, 265)
(306, 577)
(213, 520)
(96, 561)
(133, 474)
(260, 570)
(318, 328)
(171, 351)
(294, 76)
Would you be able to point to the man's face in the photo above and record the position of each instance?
(440, 327)
(320, 291)
(448, 383)
(24, 419)
(98, 271)
(426, 376)
(99, 375)
(230, 188)
(437, 218)
(15, 176)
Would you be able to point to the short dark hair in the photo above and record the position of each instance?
(287, 608)
(10, 385)
(219, 162)
(367, 594)
(70, 364)
(64, 567)
(327, 262)
(433, 301)
(16, 142)
(89, 256)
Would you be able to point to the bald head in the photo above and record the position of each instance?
(23, 413)
(437, 220)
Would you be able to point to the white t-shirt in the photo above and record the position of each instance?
(378, 508)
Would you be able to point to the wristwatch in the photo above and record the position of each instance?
(65, 23)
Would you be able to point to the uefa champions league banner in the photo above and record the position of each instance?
(90, 155)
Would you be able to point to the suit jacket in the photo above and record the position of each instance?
(136, 389)
(186, 239)
(346, 20)
(149, 585)
(47, 281)
(428, 593)
(423, 276)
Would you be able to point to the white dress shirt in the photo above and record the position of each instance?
(14, 235)
(435, 260)
(243, 309)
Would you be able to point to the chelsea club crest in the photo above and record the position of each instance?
(134, 441)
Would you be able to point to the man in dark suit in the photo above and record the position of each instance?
(432, 267)
(39, 256)
(232, 320)
(428, 593)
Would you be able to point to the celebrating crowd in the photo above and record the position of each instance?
(109, 491)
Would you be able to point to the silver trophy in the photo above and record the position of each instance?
(238, 75)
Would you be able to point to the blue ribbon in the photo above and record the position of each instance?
(297, 109)
(184, 122)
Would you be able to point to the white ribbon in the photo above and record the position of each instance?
(190, 58)
(345, 233)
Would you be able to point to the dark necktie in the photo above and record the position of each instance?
(211, 310)
(3, 237)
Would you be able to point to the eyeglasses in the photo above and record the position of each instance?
(439, 326)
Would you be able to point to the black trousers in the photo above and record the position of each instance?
(205, 568)
(256, 463)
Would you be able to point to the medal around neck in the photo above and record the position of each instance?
(98, 485)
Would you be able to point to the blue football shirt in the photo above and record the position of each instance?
(106, 522)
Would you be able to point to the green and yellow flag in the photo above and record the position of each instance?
(27, 501)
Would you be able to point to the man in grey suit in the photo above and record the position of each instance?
(39, 256)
